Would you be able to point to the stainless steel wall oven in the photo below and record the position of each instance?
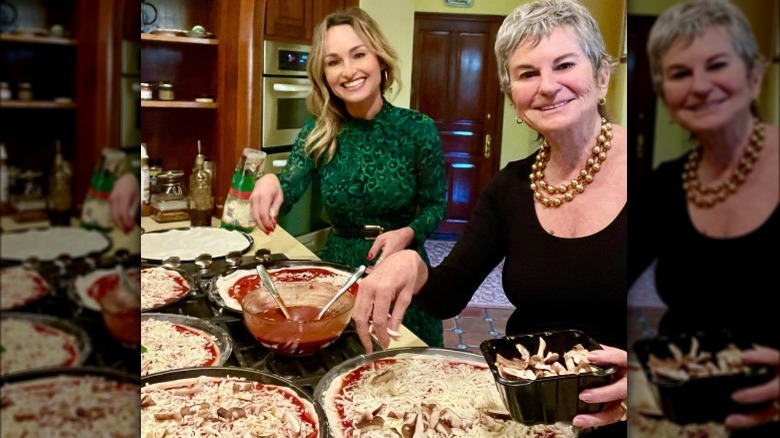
(285, 87)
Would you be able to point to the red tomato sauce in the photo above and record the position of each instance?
(69, 347)
(211, 347)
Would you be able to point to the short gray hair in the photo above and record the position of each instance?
(691, 19)
(538, 19)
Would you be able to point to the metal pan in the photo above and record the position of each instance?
(220, 337)
(246, 373)
(189, 243)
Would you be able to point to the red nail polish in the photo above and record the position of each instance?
(369, 256)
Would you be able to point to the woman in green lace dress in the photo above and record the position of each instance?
(379, 164)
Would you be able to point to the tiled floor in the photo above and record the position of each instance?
(475, 324)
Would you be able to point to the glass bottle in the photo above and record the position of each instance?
(96, 211)
(237, 214)
(170, 203)
(201, 202)
(60, 199)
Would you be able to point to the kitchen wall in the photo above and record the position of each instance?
(397, 21)
(671, 141)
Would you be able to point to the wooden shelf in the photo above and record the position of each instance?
(37, 104)
(178, 39)
(177, 104)
(37, 39)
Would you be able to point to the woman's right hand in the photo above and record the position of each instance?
(391, 285)
(266, 199)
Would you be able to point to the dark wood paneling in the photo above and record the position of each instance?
(288, 20)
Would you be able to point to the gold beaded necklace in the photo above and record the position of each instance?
(707, 196)
(576, 186)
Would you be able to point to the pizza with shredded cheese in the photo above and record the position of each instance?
(69, 406)
(234, 286)
(160, 287)
(30, 344)
(172, 346)
(225, 407)
(422, 395)
(20, 286)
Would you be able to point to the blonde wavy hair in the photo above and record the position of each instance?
(329, 110)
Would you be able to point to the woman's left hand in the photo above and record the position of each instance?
(614, 395)
(390, 242)
(767, 392)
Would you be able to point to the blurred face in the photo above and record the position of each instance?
(705, 83)
(352, 71)
(553, 85)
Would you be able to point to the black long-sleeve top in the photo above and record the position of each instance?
(554, 282)
(708, 283)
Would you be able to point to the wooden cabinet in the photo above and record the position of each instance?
(71, 77)
(295, 20)
(218, 67)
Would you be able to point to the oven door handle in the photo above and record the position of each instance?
(290, 88)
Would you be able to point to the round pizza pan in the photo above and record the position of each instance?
(248, 374)
(82, 339)
(322, 386)
(188, 279)
(185, 244)
(338, 370)
(220, 336)
(46, 244)
(233, 274)
(119, 381)
(32, 298)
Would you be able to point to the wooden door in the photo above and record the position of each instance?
(455, 82)
(641, 118)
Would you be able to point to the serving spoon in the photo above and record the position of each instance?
(269, 284)
(350, 281)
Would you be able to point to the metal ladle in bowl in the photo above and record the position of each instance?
(350, 281)
(269, 284)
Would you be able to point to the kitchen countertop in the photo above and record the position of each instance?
(281, 242)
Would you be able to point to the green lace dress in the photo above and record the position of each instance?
(387, 171)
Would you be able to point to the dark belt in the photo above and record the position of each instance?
(368, 232)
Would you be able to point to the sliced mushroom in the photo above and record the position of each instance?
(524, 354)
(369, 413)
(146, 401)
(542, 346)
(383, 377)
(499, 414)
(376, 423)
(451, 418)
(164, 416)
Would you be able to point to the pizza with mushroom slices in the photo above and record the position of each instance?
(225, 407)
(69, 406)
(20, 286)
(422, 395)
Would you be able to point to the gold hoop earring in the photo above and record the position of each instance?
(518, 120)
(602, 101)
(384, 75)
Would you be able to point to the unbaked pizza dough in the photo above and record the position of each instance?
(192, 242)
(48, 244)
